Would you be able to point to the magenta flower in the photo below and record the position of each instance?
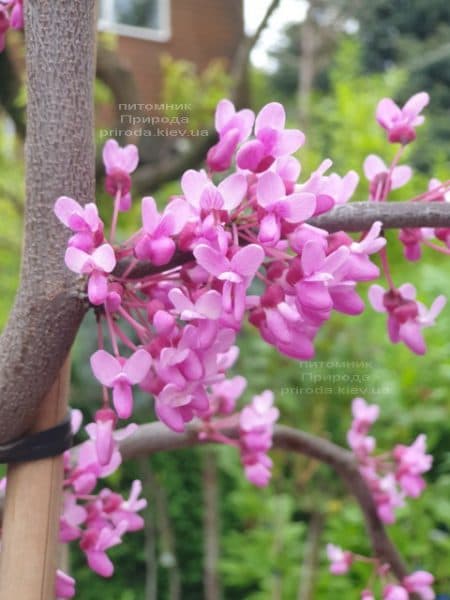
(412, 461)
(340, 560)
(272, 140)
(155, 244)
(271, 196)
(121, 511)
(102, 433)
(64, 585)
(73, 515)
(207, 306)
(4, 26)
(381, 181)
(94, 544)
(395, 592)
(256, 428)
(420, 583)
(233, 128)
(314, 296)
(236, 273)
(119, 164)
(400, 123)
(83, 220)
(120, 375)
(97, 265)
(406, 316)
(226, 393)
(204, 196)
(175, 406)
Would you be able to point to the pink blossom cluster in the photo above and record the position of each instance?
(394, 476)
(406, 316)
(233, 244)
(244, 233)
(419, 583)
(11, 16)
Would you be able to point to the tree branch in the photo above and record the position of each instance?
(359, 216)
(353, 217)
(60, 160)
(155, 437)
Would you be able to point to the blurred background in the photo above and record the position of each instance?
(328, 62)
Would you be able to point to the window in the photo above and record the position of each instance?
(146, 19)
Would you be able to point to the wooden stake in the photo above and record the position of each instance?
(29, 550)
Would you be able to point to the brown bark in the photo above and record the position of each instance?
(60, 39)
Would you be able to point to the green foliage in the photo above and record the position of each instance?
(185, 84)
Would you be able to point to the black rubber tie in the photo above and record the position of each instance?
(43, 444)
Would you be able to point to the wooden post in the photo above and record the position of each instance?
(28, 557)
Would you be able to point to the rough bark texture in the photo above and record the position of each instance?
(60, 38)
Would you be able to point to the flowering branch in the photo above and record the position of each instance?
(356, 216)
(155, 437)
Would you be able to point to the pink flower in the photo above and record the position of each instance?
(381, 181)
(225, 393)
(121, 511)
(94, 544)
(395, 592)
(204, 196)
(83, 220)
(236, 273)
(256, 427)
(278, 207)
(314, 295)
(175, 406)
(155, 244)
(103, 434)
(120, 375)
(72, 517)
(17, 14)
(400, 123)
(341, 560)
(406, 316)
(4, 26)
(412, 461)
(272, 140)
(233, 128)
(207, 306)
(420, 583)
(364, 414)
(367, 595)
(64, 585)
(96, 265)
(119, 164)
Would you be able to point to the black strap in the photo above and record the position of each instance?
(44, 444)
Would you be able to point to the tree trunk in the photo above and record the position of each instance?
(60, 53)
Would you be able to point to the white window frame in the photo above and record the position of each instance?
(163, 34)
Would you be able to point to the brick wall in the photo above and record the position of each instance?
(201, 30)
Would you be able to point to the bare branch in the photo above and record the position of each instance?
(359, 216)
(155, 437)
(60, 160)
